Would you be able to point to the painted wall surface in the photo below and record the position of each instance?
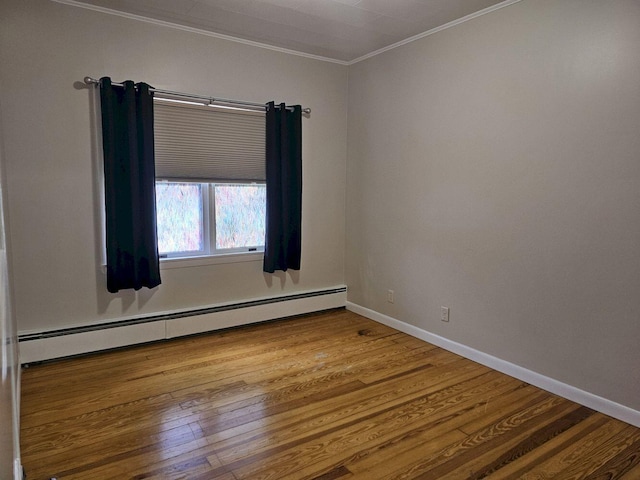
(494, 168)
(54, 201)
(9, 359)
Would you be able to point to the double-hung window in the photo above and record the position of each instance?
(210, 179)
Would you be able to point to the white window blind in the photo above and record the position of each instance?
(197, 142)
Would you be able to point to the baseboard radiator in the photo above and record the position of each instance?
(77, 340)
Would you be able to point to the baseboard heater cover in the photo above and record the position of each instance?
(64, 342)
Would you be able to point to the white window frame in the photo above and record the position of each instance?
(210, 254)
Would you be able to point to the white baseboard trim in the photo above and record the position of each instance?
(49, 345)
(595, 402)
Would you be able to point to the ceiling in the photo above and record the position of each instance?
(340, 30)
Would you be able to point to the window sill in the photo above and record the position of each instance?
(185, 262)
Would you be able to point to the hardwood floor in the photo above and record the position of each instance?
(325, 396)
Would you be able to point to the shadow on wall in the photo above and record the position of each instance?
(282, 276)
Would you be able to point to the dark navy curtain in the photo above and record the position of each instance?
(284, 187)
(129, 171)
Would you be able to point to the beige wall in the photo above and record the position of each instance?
(53, 205)
(494, 168)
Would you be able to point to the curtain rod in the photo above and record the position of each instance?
(193, 96)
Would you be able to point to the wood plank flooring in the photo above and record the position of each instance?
(328, 396)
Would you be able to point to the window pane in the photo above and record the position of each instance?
(179, 216)
(240, 215)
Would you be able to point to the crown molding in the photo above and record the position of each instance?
(199, 31)
(446, 26)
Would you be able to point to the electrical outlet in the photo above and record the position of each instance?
(444, 314)
(390, 295)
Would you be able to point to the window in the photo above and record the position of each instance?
(240, 216)
(210, 188)
(209, 218)
(180, 213)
